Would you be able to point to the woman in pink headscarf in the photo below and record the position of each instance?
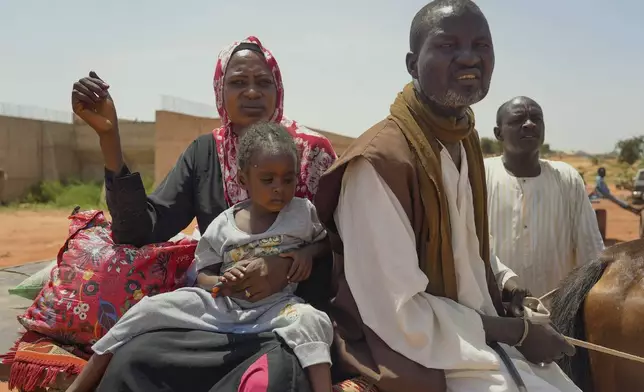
(203, 183)
(230, 82)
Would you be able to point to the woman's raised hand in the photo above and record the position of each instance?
(92, 102)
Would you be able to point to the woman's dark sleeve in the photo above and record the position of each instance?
(138, 219)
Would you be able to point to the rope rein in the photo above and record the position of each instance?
(592, 346)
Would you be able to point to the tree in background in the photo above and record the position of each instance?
(630, 150)
(491, 146)
(545, 149)
(582, 173)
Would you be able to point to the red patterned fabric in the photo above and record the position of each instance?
(317, 155)
(358, 384)
(96, 281)
(37, 361)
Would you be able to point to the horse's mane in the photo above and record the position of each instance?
(567, 307)
(567, 315)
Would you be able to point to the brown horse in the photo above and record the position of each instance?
(602, 302)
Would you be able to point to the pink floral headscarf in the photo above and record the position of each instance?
(316, 153)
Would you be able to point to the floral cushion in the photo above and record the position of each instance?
(358, 384)
(96, 281)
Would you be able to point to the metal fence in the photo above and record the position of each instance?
(35, 113)
(184, 106)
(168, 103)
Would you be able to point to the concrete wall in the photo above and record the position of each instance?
(34, 150)
(174, 132)
(137, 140)
(58, 151)
(339, 142)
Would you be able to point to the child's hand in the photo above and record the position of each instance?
(233, 275)
(301, 267)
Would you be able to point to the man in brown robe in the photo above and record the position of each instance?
(418, 297)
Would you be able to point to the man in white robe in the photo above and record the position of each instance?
(383, 305)
(436, 332)
(541, 219)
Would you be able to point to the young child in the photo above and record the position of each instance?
(272, 222)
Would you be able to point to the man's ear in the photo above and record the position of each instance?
(411, 60)
(497, 134)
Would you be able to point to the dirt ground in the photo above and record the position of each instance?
(27, 236)
(621, 226)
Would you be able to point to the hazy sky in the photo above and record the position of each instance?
(342, 60)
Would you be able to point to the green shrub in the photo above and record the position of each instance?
(71, 193)
(624, 179)
(85, 195)
(64, 194)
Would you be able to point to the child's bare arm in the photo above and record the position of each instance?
(92, 374)
(209, 277)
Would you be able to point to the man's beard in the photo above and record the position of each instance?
(453, 99)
